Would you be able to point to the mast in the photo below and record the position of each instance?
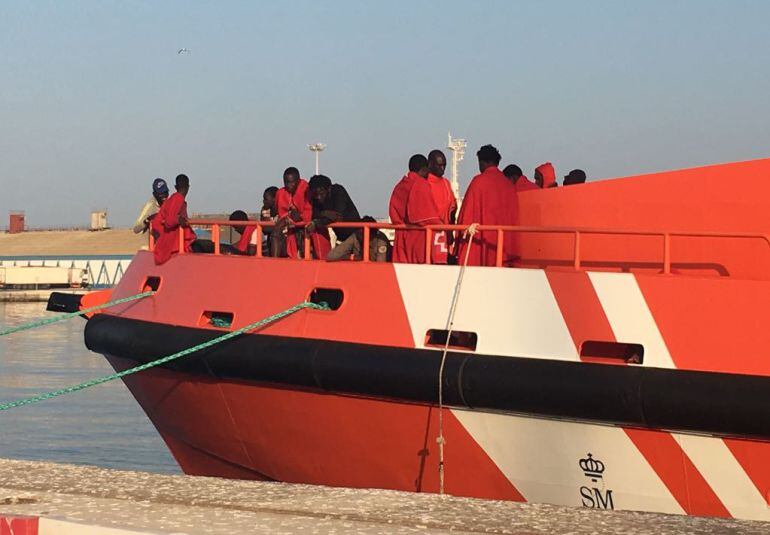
(457, 146)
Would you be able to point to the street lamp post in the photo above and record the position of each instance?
(317, 148)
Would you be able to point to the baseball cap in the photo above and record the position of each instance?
(159, 186)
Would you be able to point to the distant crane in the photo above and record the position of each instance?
(183, 51)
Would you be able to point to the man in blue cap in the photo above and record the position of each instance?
(151, 207)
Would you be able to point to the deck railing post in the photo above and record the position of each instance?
(151, 242)
(259, 239)
(499, 249)
(306, 245)
(428, 245)
(365, 246)
(577, 250)
(215, 237)
(666, 253)
(181, 239)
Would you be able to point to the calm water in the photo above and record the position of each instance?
(102, 425)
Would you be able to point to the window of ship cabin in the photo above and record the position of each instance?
(463, 340)
(331, 296)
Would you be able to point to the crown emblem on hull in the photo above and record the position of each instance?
(592, 468)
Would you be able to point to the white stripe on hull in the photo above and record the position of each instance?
(724, 474)
(630, 317)
(513, 311)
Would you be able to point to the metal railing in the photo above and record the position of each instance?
(500, 230)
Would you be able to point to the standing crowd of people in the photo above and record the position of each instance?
(306, 208)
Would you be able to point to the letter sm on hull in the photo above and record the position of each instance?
(622, 364)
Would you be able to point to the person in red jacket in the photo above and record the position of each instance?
(246, 244)
(491, 199)
(513, 172)
(412, 203)
(294, 212)
(445, 203)
(172, 215)
(545, 176)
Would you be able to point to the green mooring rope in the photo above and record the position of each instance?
(69, 315)
(162, 360)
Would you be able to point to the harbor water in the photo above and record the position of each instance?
(102, 426)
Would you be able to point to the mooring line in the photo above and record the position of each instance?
(162, 360)
(469, 233)
(69, 315)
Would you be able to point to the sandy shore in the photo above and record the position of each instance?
(71, 242)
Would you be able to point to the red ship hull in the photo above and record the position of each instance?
(546, 407)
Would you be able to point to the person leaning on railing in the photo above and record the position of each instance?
(172, 215)
(331, 204)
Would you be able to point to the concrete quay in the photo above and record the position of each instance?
(63, 499)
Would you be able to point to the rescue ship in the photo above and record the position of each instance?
(621, 364)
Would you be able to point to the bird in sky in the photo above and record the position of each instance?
(183, 51)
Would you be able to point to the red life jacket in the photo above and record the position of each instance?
(490, 200)
(446, 204)
(412, 203)
(300, 201)
(166, 223)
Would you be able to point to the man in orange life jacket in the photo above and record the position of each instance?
(412, 203)
(513, 172)
(491, 199)
(294, 212)
(545, 176)
(445, 202)
(172, 215)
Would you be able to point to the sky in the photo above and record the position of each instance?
(95, 102)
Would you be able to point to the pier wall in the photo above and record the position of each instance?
(101, 501)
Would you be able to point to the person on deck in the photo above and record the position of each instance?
(491, 199)
(172, 215)
(331, 204)
(513, 172)
(380, 249)
(545, 176)
(247, 244)
(269, 213)
(576, 176)
(445, 202)
(294, 212)
(412, 203)
(151, 207)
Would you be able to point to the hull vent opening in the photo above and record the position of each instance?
(151, 283)
(462, 340)
(220, 320)
(330, 296)
(611, 352)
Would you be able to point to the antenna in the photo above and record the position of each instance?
(457, 146)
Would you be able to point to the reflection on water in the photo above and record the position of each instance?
(102, 425)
